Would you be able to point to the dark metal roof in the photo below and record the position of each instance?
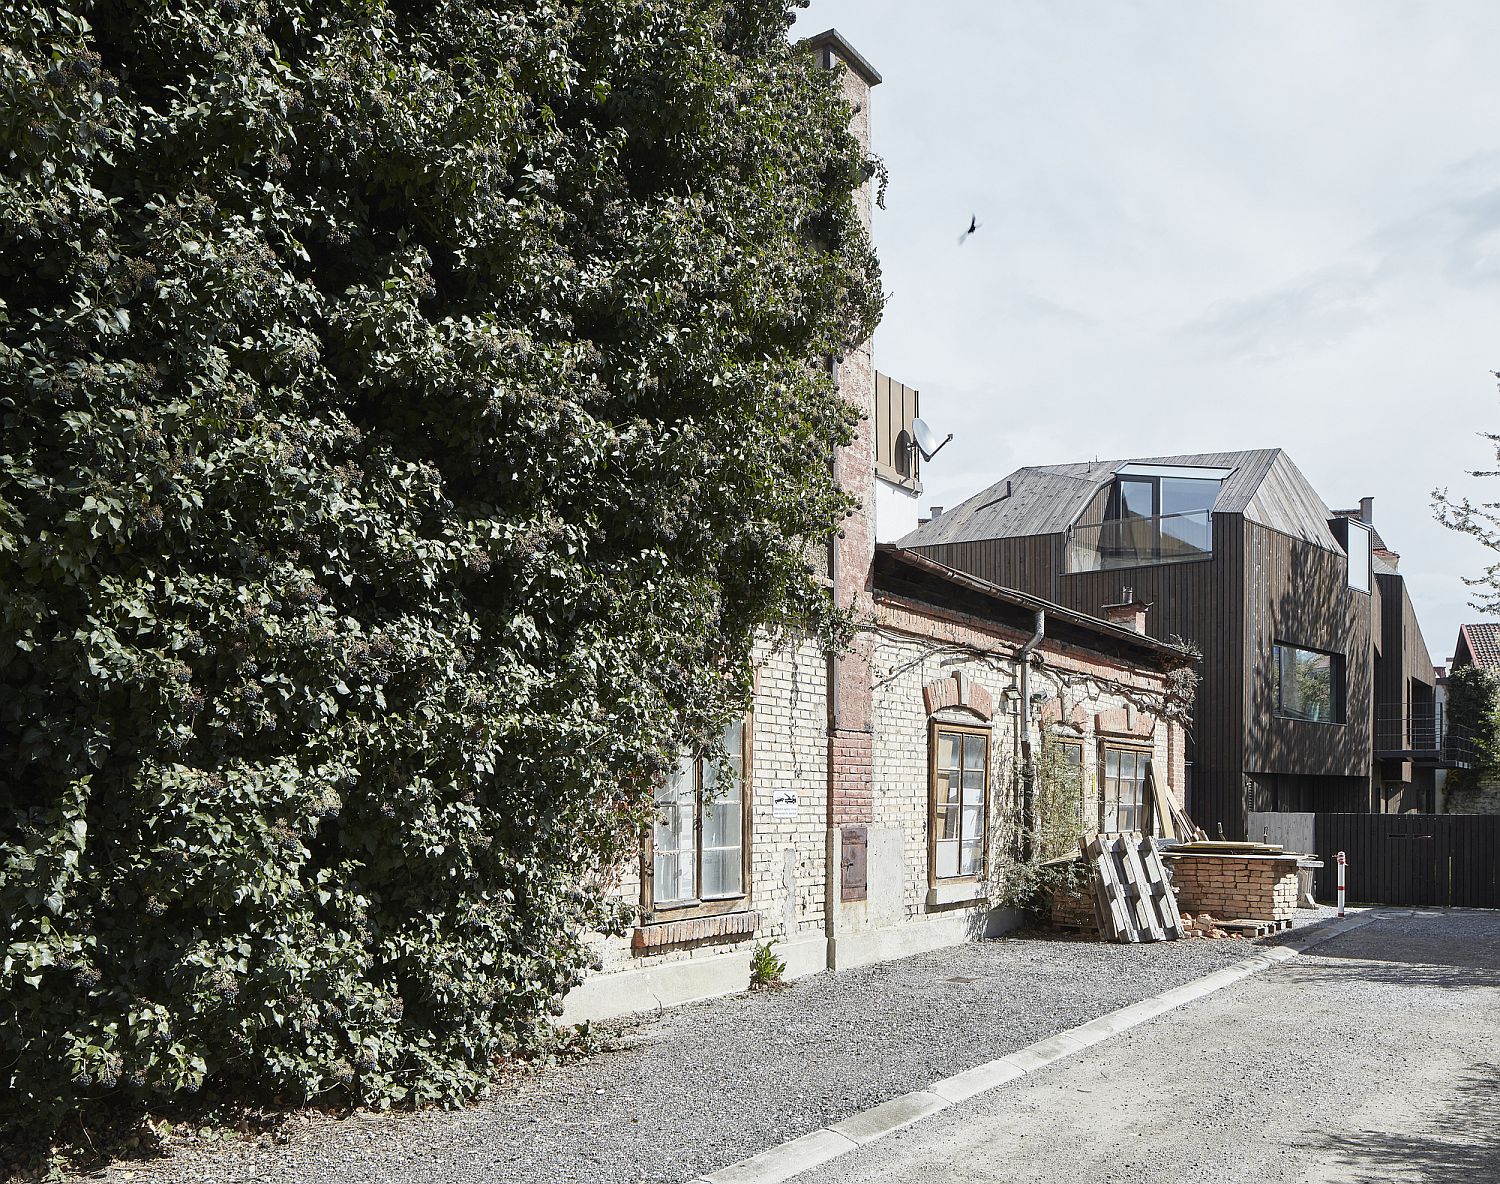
(1265, 486)
(921, 566)
(834, 40)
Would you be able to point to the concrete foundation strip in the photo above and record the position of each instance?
(811, 1150)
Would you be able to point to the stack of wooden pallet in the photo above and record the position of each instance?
(1132, 894)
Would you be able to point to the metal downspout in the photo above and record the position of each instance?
(1028, 764)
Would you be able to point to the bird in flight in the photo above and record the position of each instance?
(974, 225)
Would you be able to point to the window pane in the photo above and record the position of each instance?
(1111, 763)
(973, 821)
(948, 821)
(734, 742)
(973, 787)
(947, 857)
(968, 861)
(974, 753)
(1136, 499)
(721, 872)
(1181, 495)
(1305, 687)
(674, 854)
(721, 823)
(947, 757)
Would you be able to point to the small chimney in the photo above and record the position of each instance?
(1129, 614)
(1367, 510)
(937, 512)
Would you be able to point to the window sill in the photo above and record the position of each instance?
(1326, 723)
(659, 935)
(956, 892)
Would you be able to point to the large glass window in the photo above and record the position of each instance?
(698, 842)
(1122, 790)
(960, 801)
(1309, 684)
(1157, 518)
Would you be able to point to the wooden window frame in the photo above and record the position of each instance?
(651, 911)
(1147, 806)
(986, 732)
(1083, 768)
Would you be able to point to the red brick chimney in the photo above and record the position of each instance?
(1130, 614)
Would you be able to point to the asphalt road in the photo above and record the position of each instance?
(1375, 1059)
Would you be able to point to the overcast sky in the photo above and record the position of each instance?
(1205, 226)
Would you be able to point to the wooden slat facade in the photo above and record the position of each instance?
(1412, 859)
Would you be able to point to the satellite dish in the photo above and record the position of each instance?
(926, 439)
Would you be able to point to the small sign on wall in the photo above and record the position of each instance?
(784, 803)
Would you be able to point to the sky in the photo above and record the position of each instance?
(1204, 226)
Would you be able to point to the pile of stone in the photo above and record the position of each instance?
(1204, 925)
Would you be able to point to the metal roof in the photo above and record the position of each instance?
(1264, 485)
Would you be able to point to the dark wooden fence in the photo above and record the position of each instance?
(1431, 859)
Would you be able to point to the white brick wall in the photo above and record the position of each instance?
(789, 750)
(902, 667)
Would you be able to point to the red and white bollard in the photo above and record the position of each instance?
(1342, 864)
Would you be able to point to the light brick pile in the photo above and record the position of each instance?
(1235, 888)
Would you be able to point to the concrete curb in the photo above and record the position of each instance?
(796, 1156)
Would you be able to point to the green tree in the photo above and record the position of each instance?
(409, 413)
(1473, 701)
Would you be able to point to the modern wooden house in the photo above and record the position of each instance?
(1315, 676)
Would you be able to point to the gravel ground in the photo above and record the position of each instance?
(700, 1086)
(1372, 1059)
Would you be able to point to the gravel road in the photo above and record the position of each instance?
(1372, 1059)
(704, 1085)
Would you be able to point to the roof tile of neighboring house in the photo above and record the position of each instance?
(1265, 486)
(1484, 643)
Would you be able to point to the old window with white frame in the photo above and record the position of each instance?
(698, 850)
(959, 801)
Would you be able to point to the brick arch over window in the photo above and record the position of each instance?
(1125, 721)
(958, 691)
(1076, 718)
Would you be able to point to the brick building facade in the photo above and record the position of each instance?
(868, 820)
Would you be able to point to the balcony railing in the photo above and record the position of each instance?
(1141, 542)
(1422, 733)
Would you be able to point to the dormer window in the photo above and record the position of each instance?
(1164, 491)
(1152, 514)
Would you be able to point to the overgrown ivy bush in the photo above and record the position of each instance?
(409, 412)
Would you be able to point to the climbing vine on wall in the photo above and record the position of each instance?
(409, 413)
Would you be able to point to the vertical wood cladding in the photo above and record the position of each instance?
(1298, 594)
(1198, 601)
(1403, 659)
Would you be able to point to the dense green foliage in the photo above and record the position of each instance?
(1473, 702)
(408, 414)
